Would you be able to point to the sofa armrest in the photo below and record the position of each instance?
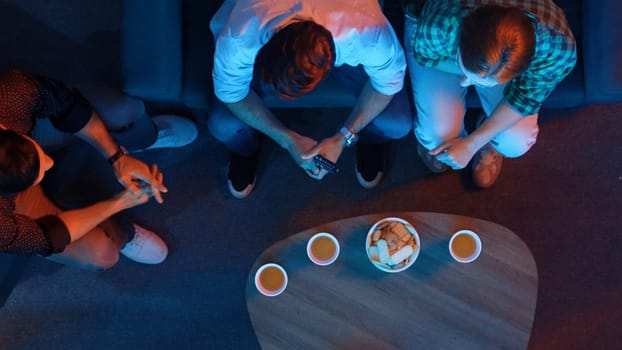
(151, 49)
(602, 50)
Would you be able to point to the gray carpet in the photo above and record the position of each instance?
(562, 199)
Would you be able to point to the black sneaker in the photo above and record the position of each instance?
(241, 174)
(371, 161)
(430, 161)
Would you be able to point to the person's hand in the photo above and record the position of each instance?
(129, 199)
(330, 148)
(456, 153)
(297, 146)
(133, 174)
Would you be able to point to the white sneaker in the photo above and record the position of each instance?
(173, 131)
(146, 247)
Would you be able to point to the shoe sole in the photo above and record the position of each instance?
(243, 194)
(239, 194)
(368, 184)
(146, 262)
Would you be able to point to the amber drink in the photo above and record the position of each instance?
(323, 248)
(271, 279)
(465, 246)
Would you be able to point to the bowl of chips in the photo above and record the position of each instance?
(392, 244)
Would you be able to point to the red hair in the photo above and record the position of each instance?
(296, 58)
(497, 41)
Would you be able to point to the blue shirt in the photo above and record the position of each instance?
(361, 33)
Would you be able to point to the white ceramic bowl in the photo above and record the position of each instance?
(411, 259)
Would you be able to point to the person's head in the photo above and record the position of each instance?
(296, 58)
(496, 44)
(22, 162)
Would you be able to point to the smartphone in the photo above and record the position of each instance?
(326, 164)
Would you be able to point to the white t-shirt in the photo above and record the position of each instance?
(361, 32)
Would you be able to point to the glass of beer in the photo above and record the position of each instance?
(465, 246)
(323, 248)
(271, 279)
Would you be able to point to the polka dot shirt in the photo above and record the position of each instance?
(24, 98)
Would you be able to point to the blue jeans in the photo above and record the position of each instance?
(124, 116)
(393, 123)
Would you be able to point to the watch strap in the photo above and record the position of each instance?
(350, 137)
(118, 154)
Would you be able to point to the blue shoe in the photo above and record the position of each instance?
(146, 247)
(173, 131)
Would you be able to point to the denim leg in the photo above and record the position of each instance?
(520, 137)
(439, 100)
(125, 116)
(490, 97)
(393, 123)
(237, 136)
(438, 96)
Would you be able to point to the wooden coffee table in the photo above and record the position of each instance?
(435, 304)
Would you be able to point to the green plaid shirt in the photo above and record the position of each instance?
(437, 35)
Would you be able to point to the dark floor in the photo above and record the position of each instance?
(562, 199)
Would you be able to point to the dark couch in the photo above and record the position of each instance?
(597, 77)
(167, 48)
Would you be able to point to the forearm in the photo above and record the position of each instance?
(502, 118)
(368, 106)
(97, 135)
(252, 111)
(81, 221)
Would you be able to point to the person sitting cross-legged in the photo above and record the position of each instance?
(55, 199)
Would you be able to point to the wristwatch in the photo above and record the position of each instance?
(349, 136)
(118, 154)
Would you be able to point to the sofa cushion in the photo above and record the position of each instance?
(198, 51)
(571, 91)
(151, 54)
(602, 50)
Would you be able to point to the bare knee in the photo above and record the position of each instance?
(93, 252)
(101, 260)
